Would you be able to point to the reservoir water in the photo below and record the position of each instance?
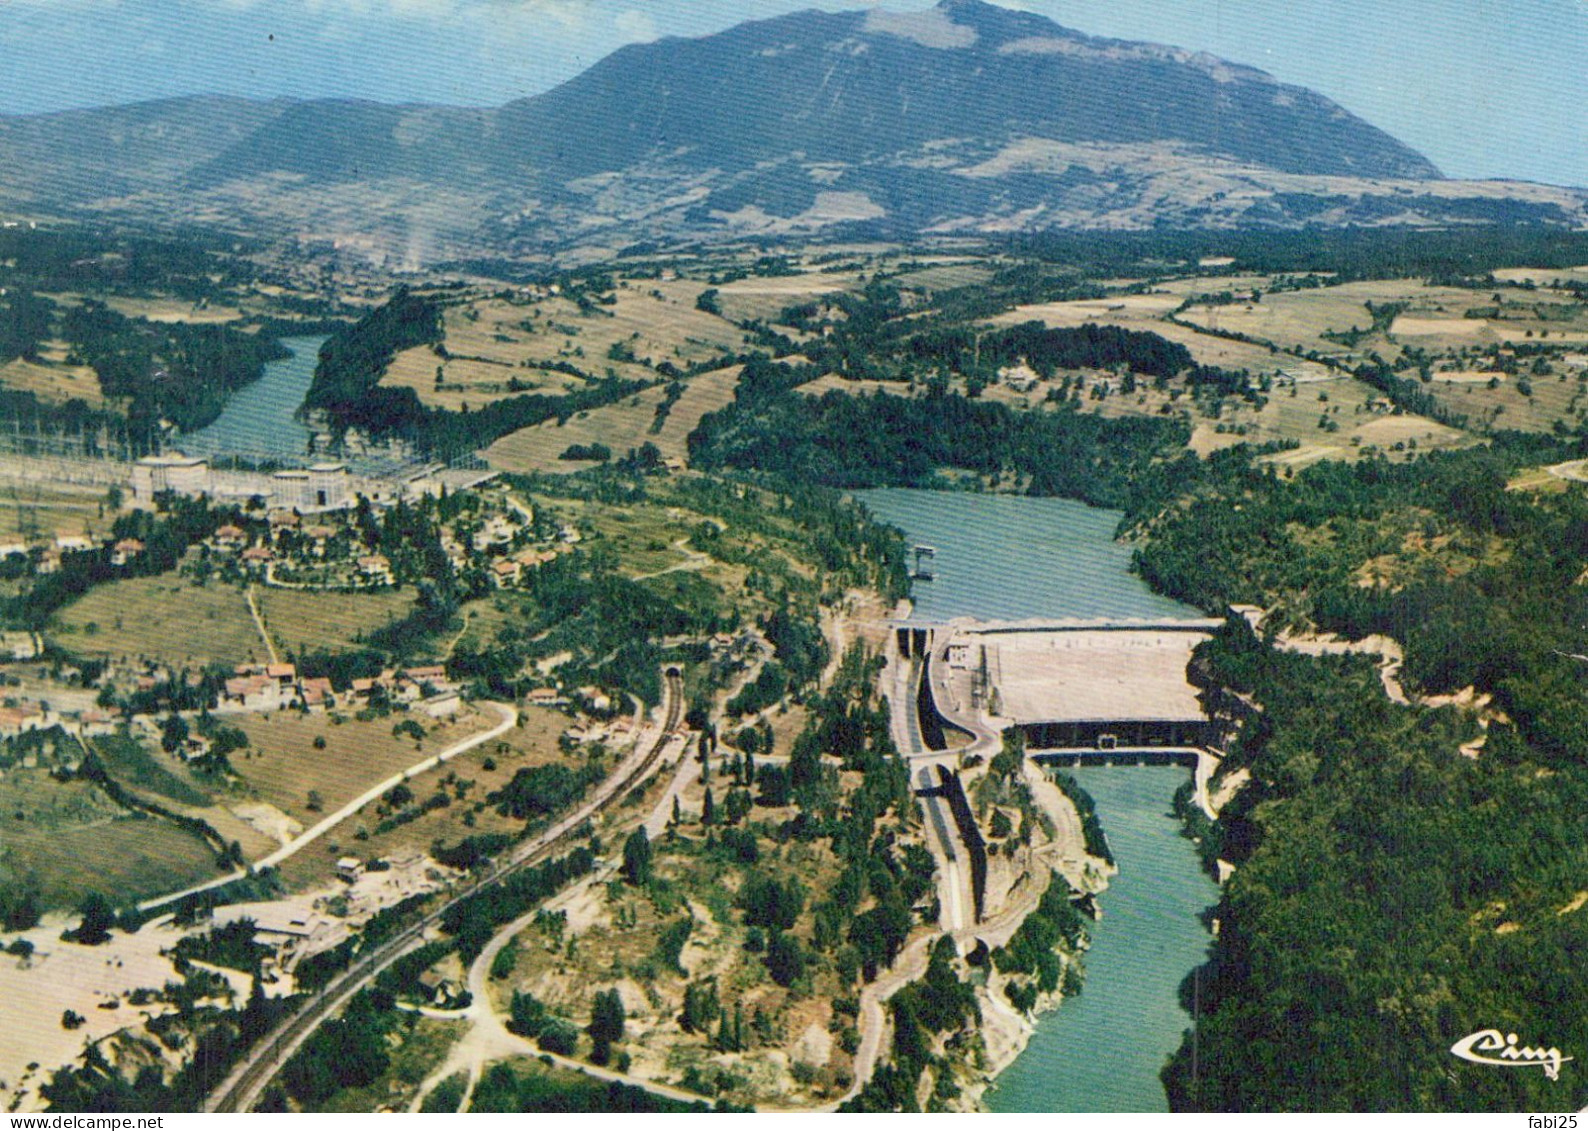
(1012, 557)
(258, 422)
(1008, 557)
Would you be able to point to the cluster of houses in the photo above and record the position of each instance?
(19, 716)
(291, 542)
(297, 928)
(296, 545)
(267, 687)
(47, 559)
(509, 571)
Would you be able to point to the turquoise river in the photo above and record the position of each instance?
(1002, 557)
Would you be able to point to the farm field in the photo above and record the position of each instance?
(497, 347)
(1543, 276)
(303, 620)
(533, 744)
(1299, 319)
(620, 427)
(51, 379)
(212, 623)
(55, 510)
(283, 767)
(174, 310)
(1547, 399)
(166, 619)
(765, 298)
(945, 276)
(68, 839)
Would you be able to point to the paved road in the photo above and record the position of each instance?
(247, 1081)
(303, 840)
(489, 1039)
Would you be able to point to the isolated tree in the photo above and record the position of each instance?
(98, 918)
(637, 858)
(173, 733)
(785, 960)
(606, 1024)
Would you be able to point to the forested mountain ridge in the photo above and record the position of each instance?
(965, 117)
(1405, 873)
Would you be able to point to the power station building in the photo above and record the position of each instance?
(323, 487)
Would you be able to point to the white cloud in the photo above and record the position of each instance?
(635, 26)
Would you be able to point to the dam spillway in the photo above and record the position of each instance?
(1068, 685)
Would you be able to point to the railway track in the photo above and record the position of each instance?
(243, 1086)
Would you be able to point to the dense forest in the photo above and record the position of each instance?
(152, 372)
(1393, 894)
(1348, 254)
(840, 440)
(1050, 350)
(346, 379)
(87, 260)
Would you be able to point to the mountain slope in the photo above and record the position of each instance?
(858, 86)
(80, 155)
(965, 117)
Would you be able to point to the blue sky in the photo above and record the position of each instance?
(1482, 87)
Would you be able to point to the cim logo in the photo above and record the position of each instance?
(1500, 1050)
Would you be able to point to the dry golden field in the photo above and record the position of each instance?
(620, 426)
(51, 379)
(27, 508)
(173, 310)
(766, 298)
(283, 766)
(166, 618)
(531, 745)
(1557, 397)
(1299, 319)
(1543, 276)
(494, 341)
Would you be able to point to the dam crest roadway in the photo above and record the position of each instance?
(1097, 691)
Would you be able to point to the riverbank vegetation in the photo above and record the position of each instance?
(110, 343)
(1406, 874)
(1280, 425)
